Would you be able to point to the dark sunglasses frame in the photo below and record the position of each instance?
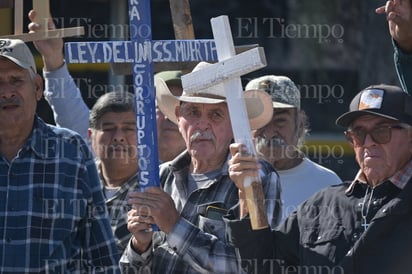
(380, 135)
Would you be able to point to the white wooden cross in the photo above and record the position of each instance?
(228, 71)
(42, 8)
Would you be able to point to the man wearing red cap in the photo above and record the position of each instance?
(361, 226)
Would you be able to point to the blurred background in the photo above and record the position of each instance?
(330, 49)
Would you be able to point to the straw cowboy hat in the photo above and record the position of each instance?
(258, 103)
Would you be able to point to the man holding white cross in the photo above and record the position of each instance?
(197, 190)
(357, 227)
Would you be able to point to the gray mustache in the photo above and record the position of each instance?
(203, 135)
(10, 101)
(275, 141)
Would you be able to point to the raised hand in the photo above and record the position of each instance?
(399, 16)
(50, 49)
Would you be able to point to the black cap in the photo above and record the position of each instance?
(381, 100)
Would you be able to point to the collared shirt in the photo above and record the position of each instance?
(63, 94)
(52, 212)
(399, 179)
(118, 207)
(197, 243)
(327, 234)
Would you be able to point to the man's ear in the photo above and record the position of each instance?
(302, 119)
(38, 84)
(89, 133)
(302, 127)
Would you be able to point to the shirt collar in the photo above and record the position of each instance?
(402, 177)
(40, 141)
(130, 181)
(183, 160)
(399, 179)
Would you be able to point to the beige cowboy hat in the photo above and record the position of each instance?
(258, 103)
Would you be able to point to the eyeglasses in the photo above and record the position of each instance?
(380, 135)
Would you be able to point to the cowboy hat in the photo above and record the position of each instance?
(258, 103)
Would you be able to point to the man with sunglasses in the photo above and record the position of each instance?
(362, 226)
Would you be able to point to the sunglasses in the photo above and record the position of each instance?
(380, 135)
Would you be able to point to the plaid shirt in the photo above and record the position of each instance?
(118, 208)
(399, 179)
(197, 244)
(402, 177)
(52, 213)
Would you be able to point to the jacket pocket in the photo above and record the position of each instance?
(212, 226)
(320, 244)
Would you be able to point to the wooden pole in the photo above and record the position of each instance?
(42, 8)
(182, 19)
(18, 16)
(182, 23)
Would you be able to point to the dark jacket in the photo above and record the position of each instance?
(403, 64)
(325, 235)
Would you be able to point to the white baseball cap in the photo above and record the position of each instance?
(18, 52)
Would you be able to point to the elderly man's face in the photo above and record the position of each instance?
(381, 161)
(19, 93)
(279, 138)
(206, 129)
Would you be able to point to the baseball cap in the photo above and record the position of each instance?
(258, 103)
(382, 100)
(171, 77)
(18, 52)
(283, 91)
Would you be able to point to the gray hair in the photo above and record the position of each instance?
(302, 127)
(115, 101)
